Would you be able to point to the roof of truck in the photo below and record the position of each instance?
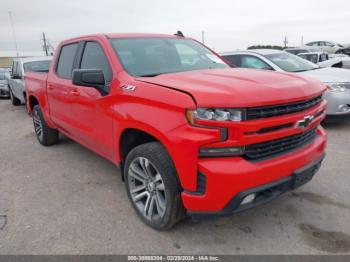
(33, 59)
(123, 35)
(139, 35)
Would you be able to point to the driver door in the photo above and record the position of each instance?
(92, 110)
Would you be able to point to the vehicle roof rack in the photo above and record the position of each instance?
(179, 33)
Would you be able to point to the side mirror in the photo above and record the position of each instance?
(91, 78)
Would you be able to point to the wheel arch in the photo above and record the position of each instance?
(32, 101)
(131, 137)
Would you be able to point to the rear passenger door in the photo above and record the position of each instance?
(92, 110)
(60, 88)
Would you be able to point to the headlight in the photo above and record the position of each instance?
(218, 114)
(338, 87)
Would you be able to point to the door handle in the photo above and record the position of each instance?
(75, 92)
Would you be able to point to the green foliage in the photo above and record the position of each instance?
(266, 47)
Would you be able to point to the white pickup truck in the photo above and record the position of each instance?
(19, 67)
(327, 60)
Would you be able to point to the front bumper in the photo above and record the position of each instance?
(265, 193)
(226, 178)
(4, 91)
(337, 102)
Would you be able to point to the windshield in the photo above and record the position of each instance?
(291, 63)
(155, 56)
(37, 66)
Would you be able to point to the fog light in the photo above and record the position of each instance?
(248, 199)
(221, 151)
(343, 108)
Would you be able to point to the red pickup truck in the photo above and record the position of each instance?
(190, 135)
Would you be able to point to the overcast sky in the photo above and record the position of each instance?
(228, 25)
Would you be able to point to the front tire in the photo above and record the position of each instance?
(152, 186)
(45, 135)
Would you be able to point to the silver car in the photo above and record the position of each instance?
(336, 79)
(4, 90)
(19, 67)
(325, 46)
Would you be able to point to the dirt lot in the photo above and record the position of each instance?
(67, 200)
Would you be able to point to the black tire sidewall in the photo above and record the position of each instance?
(50, 136)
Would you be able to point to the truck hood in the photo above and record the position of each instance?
(328, 75)
(237, 87)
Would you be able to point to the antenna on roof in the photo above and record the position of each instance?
(179, 33)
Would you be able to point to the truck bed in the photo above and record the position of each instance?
(35, 84)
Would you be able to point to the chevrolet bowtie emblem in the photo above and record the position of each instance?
(304, 123)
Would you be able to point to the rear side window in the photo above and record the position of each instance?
(14, 68)
(95, 58)
(234, 60)
(37, 66)
(66, 60)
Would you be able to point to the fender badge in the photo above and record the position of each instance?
(128, 88)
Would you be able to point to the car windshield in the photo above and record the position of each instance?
(37, 66)
(291, 63)
(155, 56)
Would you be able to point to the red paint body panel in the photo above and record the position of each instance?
(158, 106)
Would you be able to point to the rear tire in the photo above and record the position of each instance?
(45, 135)
(152, 186)
(14, 100)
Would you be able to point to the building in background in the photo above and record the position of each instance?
(6, 56)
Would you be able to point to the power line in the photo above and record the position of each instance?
(13, 32)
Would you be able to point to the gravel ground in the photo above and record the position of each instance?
(65, 199)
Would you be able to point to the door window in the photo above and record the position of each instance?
(234, 60)
(254, 62)
(66, 60)
(94, 58)
(14, 68)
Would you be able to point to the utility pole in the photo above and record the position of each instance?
(302, 40)
(13, 32)
(45, 47)
(202, 37)
(285, 42)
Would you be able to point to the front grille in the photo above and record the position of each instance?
(265, 150)
(276, 110)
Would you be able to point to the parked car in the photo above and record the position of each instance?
(345, 50)
(326, 46)
(20, 67)
(4, 90)
(184, 128)
(336, 79)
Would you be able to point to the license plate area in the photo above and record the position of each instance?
(302, 176)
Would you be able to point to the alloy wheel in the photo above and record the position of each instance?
(38, 126)
(147, 188)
